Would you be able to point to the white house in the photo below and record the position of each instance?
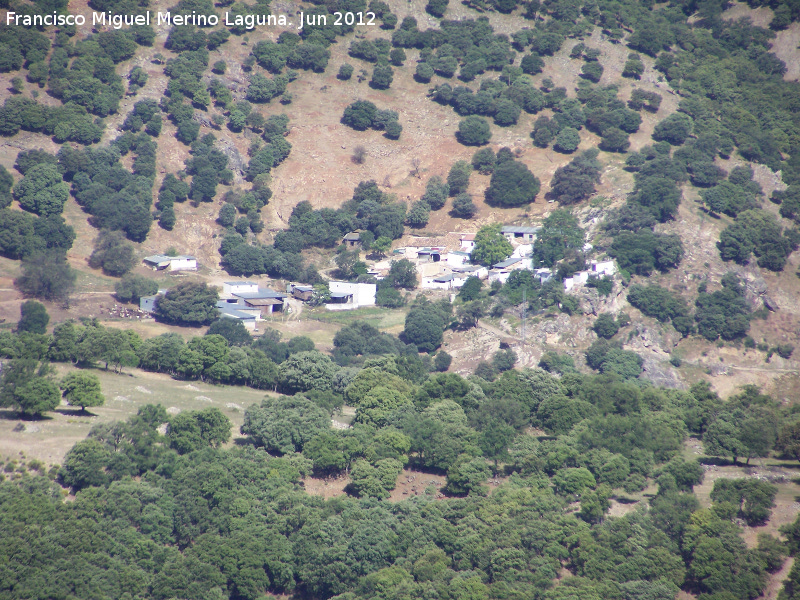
(478, 271)
(457, 258)
(430, 254)
(431, 269)
(246, 317)
(544, 274)
(161, 262)
(522, 251)
(502, 270)
(408, 252)
(352, 240)
(230, 288)
(378, 274)
(603, 267)
(598, 268)
(467, 242)
(578, 279)
(519, 233)
(247, 297)
(347, 296)
(444, 282)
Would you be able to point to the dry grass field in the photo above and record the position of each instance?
(48, 439)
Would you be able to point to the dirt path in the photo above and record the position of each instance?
(497, 331)
(775, 581)
(296, 309)
(762, 369)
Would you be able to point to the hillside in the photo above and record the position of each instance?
(555, 357)
(320, 168)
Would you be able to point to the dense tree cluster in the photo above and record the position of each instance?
(241, 258)
(133, 287)
(596, 108)
(757, 232)
(21, 46)
(576, 181)
(172, 190)
(738, 193)
(112, 253)
(212, 357)
(23, 234)
(370, 209)
(33, 317)
(512, 184)
(363, 340)
(425, 324)
(609, 358)
(467, 46)
(83, 73)
(289, 50)
(363, 114)
(115, 198)
(145, 113)
(744, 426)
(724, 312)
(82, 389)
(208, 168)
(636, 247)
(46, 275)
(642, 99)
(662, 304)
(789, 200)
(188, 303)
(370, 50)
(495, 99)
(42, 190)
(747, 119)
(606, 434)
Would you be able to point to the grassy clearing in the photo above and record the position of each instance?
(9, 268)
(50, 438)
(93, 281)
(149, 328)
(382, 318)
(320, 333)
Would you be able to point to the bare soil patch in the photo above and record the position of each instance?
(329, 487)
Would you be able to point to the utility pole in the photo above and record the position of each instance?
(524, 308)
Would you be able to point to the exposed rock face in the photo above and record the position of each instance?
(593, 303)
(661, 374)
(235, 161)
(558, 330)
(756, 291)
(202, 118)
(659, 340)
(770, 303)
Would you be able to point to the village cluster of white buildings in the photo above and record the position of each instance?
(441, 268)
(437, 266)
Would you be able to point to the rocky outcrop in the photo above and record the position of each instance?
(755, 291)
(658, 340)
(235, 161)
(661, 374)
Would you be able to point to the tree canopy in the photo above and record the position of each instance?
(188, 303)
(490, 246)
(560, 234)
(512, 184)
(285, 424)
